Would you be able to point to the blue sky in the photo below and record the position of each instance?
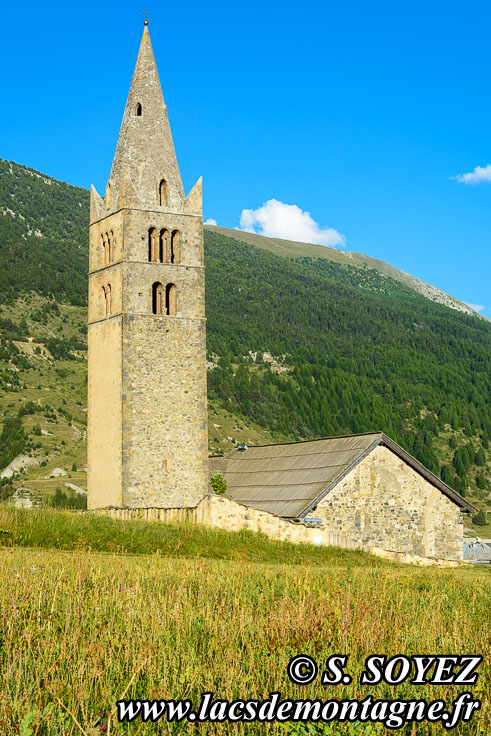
(359, 113)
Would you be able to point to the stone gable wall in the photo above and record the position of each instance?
(384, 503)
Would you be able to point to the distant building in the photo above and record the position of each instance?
(477, 550)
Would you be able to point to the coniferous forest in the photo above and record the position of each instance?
(361, 352)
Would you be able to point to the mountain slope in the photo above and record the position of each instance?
(43, 235)
(298, 347)
(292, 249)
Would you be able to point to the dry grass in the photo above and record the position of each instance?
(51, 529)
(82, 629)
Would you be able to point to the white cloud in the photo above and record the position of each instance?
(480, 173)
(210, 221)
(276, 219)
(476, 307)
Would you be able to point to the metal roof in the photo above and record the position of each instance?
(289, 479)
(477, 550)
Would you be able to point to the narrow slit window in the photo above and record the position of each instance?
(152, 245)
(163, 193)
(171, 300)
(104, 302)
(157, 291)
(139, 109)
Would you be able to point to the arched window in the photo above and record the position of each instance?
(175, 247)
(108, 300)
(163, 193)
(163, 246)
(152, 245)
(139, 109)
(103, 245)
(171, 300)
(104, 302)
(157, 292)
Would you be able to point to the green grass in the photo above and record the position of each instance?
(81, 630)
(66, 530)
(484, 532)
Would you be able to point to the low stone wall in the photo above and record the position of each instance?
(223, 513)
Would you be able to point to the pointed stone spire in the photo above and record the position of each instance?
(145, 154)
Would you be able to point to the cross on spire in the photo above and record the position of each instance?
(145, 13)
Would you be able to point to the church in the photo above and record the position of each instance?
(147, 403)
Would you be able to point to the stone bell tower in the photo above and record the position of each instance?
(147, 408)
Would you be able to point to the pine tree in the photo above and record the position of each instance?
(479, 519)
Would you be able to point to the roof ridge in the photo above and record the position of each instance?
(317, 439)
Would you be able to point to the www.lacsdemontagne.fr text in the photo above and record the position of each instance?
(391, 713)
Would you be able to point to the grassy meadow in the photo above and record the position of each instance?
(170, 611)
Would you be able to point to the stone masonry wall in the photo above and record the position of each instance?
(165, 460)
(165, 443)
(384, 503)
(223, 513)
